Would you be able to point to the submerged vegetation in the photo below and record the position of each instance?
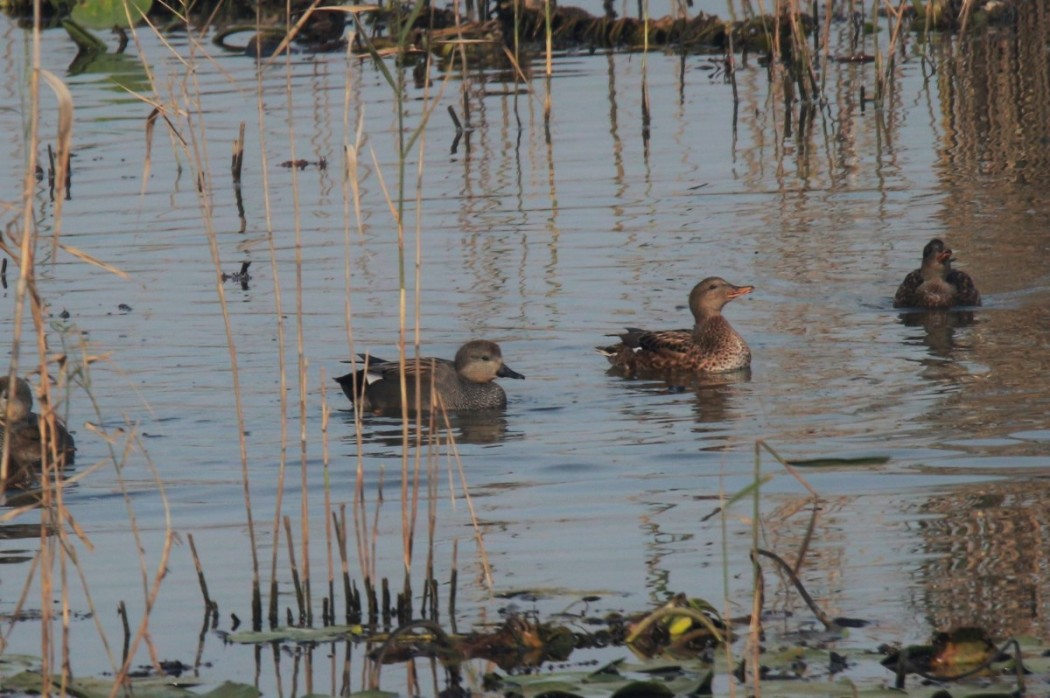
(680, 648)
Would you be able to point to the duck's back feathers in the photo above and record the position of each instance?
(25, 438)
(966, 292)
(906, 292)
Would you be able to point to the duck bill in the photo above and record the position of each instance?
(945, 256)
(506, 371)
(740, 291)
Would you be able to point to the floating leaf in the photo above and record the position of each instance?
(148, 687)
(229, 689)
(643, 688)
(831, 462)
(106, 14)
(325, 634)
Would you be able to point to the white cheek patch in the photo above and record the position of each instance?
(371, 377)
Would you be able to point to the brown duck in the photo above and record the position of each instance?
(466, 383)
(21, 429)
(935, 285)
(712, 346)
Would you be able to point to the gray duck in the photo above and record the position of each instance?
(465, 383)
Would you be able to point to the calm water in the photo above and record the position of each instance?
(590, 483)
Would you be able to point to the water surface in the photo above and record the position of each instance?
(590, 483)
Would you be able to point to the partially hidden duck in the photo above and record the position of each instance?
(935, 285)
(20, 429)
(712, 346)
(465, 383)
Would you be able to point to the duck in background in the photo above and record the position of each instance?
(935, 285)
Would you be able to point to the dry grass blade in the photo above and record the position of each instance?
(94, 261)
(355, 10)
(519, 72)
(65, 139)
(760, 444)
(964, 14)
(479, 534)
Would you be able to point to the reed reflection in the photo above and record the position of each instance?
(716, 396)
(983, 559)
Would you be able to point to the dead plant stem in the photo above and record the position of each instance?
(328, 533)
(198, 143)
(282, 362)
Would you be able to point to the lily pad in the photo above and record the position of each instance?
(149, 687)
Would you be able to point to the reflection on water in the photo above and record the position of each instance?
(714, 395)
(984, 559)
(939, 328)
(469, 427)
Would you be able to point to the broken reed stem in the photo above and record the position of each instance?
(328, 529)
(352, 180)
(282, 362)
(797, 583)
(353, 603)
(237, 161)
(142, 634)
(209, 605)
(432, 498)
(196, 146)
(761, 444)
(829, 12)
(646, 110)
(385, 609)
(122, 611)
(453, 582)
(153, 590)
(753, 650)
(726, 586)
(370, 582)
(299, 596)
(300, 344)
(549, 67)
(891, 51)
(479, 535)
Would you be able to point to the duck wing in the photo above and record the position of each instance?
(966, 289)
(667, 342)
(906, 291)
(373, 369)
(390, 370)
